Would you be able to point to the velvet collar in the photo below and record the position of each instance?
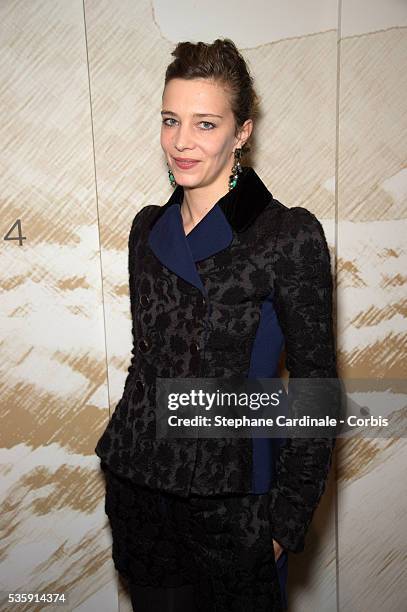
(240, 206)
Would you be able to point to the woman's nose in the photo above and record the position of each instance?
(183, 138)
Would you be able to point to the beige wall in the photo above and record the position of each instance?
(80, 91)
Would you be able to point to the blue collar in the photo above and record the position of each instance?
(179, 252)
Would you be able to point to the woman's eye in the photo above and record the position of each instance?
(168, 119)
(206, 124)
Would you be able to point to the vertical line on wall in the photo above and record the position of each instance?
(337, 108)
(97, 200)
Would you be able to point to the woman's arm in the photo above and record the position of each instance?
(303, 303)
(132, 242)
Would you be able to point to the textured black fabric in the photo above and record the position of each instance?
(303, 303)
(274, 249)
(173, 599)
(222, 546)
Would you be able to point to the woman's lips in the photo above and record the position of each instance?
(185, 164)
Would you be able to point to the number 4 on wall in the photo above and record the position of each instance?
(20, 237)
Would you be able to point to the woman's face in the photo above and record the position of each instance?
(198, 127)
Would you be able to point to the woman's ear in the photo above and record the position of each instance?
(244, 133)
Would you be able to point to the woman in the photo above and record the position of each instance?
(221, 277)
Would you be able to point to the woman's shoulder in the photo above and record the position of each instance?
(299, 224)
(143, 213)
(301, 239)
(139, 223)
(297, 218)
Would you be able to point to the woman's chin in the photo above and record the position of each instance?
(188, 182)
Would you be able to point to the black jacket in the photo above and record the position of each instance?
(181, 330)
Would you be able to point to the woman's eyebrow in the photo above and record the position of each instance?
(168, 112)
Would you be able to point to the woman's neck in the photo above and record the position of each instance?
(198, 201)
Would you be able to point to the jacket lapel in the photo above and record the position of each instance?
(234, 212)
(168, 242)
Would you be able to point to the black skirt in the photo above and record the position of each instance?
(222, 545)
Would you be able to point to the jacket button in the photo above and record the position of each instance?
(194, 348)
(139, 386)
(144, 300)
(203, 300)
(144, 345)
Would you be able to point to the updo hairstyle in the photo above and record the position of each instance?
(222, 62)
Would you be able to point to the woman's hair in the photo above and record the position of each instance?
(220, 61)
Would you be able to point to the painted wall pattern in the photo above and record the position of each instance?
(81, 87)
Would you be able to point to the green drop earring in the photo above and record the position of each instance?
(236, 170)
(171, 177)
